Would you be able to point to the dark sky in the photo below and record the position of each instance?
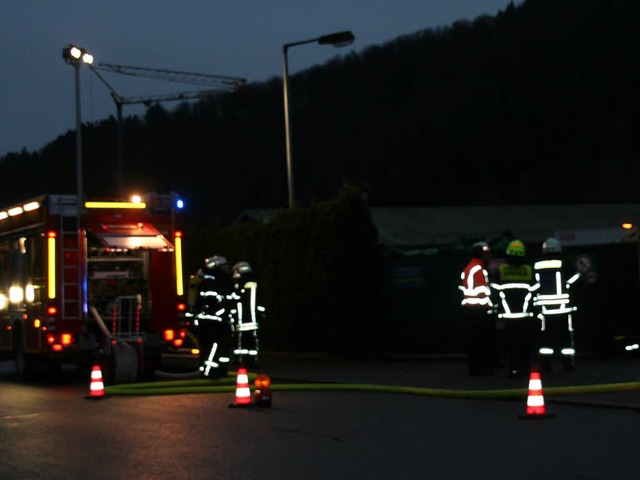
(239, 38)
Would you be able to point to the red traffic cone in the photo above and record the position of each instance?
(535, 400)
(243, 392)
(96, 387)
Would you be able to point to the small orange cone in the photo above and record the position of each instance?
(96, 388)
(243, 392)
(535, 400)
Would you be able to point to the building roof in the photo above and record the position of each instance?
(409, 227)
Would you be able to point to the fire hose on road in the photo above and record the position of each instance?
(227, 384)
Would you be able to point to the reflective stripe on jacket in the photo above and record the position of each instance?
(553, 295)
(515, 288)
(474, 284)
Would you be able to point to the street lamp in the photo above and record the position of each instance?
(76, 56)
(339, 39)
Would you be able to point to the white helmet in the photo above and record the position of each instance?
(552, 245)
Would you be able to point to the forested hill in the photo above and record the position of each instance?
(536, 105)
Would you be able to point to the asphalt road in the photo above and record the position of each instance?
(48, 429)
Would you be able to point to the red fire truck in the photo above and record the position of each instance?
(98, 281)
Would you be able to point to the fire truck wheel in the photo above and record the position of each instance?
(21, 359)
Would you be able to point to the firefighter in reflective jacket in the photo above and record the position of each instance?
(246, 314)
(477, 311)
(515, 288)
(211, 314)
(554, 307)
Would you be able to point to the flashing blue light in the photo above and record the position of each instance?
(179, 204)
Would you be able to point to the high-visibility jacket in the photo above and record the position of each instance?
(474, 284)
(553, 295)
(515, 287)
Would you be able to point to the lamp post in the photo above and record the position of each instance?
(339, 39)
(76, 56)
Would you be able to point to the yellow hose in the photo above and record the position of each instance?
(228, 385)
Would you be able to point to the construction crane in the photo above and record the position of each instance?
(223, 84)
(219, 81)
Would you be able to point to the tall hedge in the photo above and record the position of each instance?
(320, 275)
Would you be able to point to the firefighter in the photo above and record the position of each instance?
(477, 311)
(247, 313)
(514, 290)
(554, 307)
(212, 316)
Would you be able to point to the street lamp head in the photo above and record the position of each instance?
(339, 39)
(87, 58)
(73, 54)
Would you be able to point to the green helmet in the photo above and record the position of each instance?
(516, 249)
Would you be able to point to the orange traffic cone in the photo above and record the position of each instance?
(243, 392)
(535, 400)
(96, 388)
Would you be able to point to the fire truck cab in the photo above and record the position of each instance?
(97, 281)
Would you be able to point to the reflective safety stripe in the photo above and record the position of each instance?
(547, 264)
(475, 294)
(508, 286)
(515, 315)
(246, 327)
(535, 401)
(210, 363)
(243, 392)
(554, 299)
(523, 311)
(203, 316)
(573, 279)
(244, 351)
(535, 384)
(557, 311)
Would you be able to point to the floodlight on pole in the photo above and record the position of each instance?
(338, 39)
(76, 56)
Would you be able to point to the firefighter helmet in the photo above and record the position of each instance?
(516, 249)
(551, 245)
(216, 261)
(241, 268)
(479, 248)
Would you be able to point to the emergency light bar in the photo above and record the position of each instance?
(19, 209)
